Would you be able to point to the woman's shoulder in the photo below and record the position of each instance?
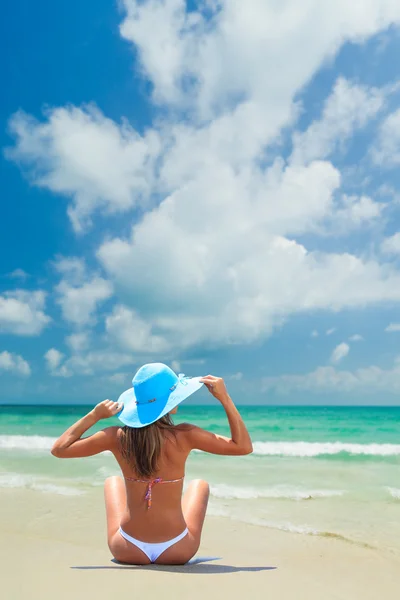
(113, 433)
(186, 431)
(184, 427)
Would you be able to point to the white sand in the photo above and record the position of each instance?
(54, 547)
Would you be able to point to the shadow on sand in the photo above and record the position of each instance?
(196, 565)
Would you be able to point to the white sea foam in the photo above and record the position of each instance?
(311, 449)
(278, 492)
(293, 449)
(32, 443)
(18, 480)
(394, 492)
(26, 442)
(217, 511)
(290, 527)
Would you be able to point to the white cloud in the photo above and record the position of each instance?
(340, 352)
(330, 331)
(71, 268)
(78, 342)
(220, 68)
(314, 333)
(120, 379)
(236, 376)
(236, 287)
(370, 379)
(393, 327)
(214, 258)
(350, 107)
(53, 358)
(95, 362)
(386, 152)
(233, 55)
(391, 245)
(14, 363)
(79, 294)
(176, 366)
(22, 312)
(356, 338)
(89, 363)
(78, 304)
(80, 153)
(132, 333)
(19, 274)
(354, 212)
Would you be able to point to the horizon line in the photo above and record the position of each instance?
(8, 405)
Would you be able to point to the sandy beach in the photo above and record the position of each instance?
(54, 547)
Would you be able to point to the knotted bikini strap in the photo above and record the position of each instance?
(149, 488)
(150, 485)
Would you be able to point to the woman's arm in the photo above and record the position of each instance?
(239, 443)
(71, 445)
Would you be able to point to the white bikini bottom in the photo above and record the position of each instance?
(153, 551)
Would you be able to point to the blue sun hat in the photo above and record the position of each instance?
(155, 391)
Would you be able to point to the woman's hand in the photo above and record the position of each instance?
(107, 409)
(216, 386)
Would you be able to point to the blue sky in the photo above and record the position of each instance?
(212, 185)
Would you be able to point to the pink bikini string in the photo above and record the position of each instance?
(150, 485)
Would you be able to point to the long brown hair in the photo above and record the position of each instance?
(141, 447)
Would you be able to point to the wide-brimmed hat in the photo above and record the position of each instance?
(155, 391)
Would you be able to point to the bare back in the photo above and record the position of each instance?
(164, 519)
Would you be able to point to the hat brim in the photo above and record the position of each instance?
(140, 415)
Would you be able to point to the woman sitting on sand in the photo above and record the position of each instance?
(148, 522)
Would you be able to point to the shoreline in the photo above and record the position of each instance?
(54, 546)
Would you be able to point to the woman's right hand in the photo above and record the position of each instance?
(216, 386)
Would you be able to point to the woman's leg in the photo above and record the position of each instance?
(115, 499)
(194, 507)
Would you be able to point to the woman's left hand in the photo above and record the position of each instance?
(107, 409)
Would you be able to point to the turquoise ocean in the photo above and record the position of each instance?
(329, 471)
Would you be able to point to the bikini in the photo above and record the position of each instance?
(152, 551)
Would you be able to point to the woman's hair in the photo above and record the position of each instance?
(141, 447)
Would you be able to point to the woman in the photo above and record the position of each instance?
(148, 522)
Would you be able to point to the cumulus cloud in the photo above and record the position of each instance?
(78, 342)
(393, 327)
(356, 338)
(236, 376)
(22, 312)
(218, 255)
(350, 107)
(227, 51)
(79, 153)
(340, 352)
(391, 245)
(217, 289)
(367, 380)
(120, 379)
(78, 304)
(53, 358)
(354, 212)
(14, 363)
(176, 366)
(219, 64)
(132, 333)
(93, 362)
(19, 274)
(79, 294)
(386, 152)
